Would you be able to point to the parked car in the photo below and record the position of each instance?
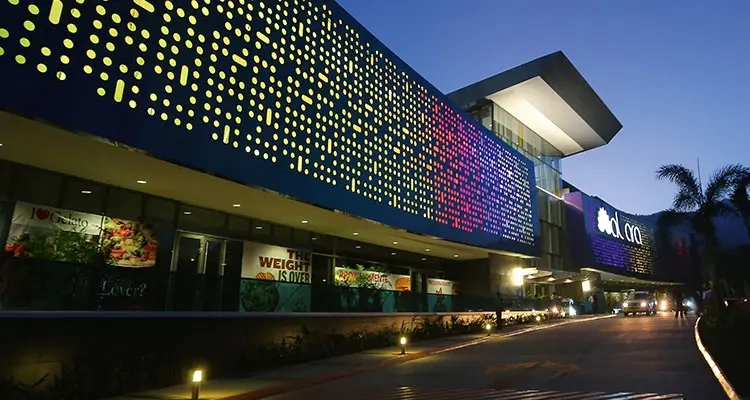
(639, 303)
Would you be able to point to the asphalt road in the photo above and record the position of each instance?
(616, 358)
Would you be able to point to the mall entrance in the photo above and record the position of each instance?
(202, 266)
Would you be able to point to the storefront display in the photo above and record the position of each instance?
(274, 279)
(63, 235)
(440, 292)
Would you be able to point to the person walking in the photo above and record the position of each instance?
(679, 309)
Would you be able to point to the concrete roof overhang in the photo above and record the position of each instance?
(549, 96)
(622, 279)
(554, 276)
(41, 145)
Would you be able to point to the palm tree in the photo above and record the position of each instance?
(696, 207)
(741, 200)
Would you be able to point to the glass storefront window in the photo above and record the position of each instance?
(123, 203)
(83, 196)
(37, 186)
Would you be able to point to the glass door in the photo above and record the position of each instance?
(197, 271)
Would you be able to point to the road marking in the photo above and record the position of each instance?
(410, 393)
(718, 373)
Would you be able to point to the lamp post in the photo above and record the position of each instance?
(403, 344)
(489, 329)
(539, 319)
(197, 378)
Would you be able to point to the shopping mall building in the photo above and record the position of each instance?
(261, 156)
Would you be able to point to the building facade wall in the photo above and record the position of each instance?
(296, 89)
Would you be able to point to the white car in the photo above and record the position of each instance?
(639, 303)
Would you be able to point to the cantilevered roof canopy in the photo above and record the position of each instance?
(552, 98)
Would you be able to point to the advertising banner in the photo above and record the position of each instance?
(275, 279)
(377, 280)
(439, 292)
(63, 235)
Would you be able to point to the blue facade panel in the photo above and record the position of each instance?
(293, 96)
(612, 240)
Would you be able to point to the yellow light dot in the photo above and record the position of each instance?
(2, 51)
(91, 54)
(101, 91)
(61, 75)
(189, 126)
(87, 69)
(132, 103)
(97, 24)
(46, 51)
(138, 75)
(145, 34)
(33, 9)
(29, 25)
(4, 34)
(42, 68)
(20, 59)
(72, 28)
(25, 42)
(107, 61)
(151, 111)
(116, 18)
(113, 32)
(104, 76)
(75, 13)
(100, 10)
(110, 46)
(94, 39)
(123, 68)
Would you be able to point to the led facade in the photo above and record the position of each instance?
(617, 242)
(289, 95)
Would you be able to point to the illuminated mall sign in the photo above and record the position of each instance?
(612, 226)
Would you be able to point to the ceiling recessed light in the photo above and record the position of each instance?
(187, 212)
(355, 233)
(314, 238)
(304, 221)
(86, 191)
(393, 254)
(424, 258)
(357, 247)
(395, 242)
(259, 227)
(455, 256)
(235, 205)
(426, 249)
(141, 182)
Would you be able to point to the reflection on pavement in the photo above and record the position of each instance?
(409, 393)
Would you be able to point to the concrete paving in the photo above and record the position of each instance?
(637, 357)
(281, 379)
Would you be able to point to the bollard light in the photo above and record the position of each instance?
(538, 319)
(489, 329)
(403, 344)
(197, 379)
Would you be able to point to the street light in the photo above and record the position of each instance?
(538, 319)
(489, 329)
(403, 344)
(197, 378)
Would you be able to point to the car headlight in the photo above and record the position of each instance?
(643, 304)
(625, 305)
(554, 310)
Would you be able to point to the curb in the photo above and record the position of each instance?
(718, 373)
(283, 388)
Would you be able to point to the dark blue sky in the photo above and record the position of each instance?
(675, 73)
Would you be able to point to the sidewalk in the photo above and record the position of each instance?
(295, 377)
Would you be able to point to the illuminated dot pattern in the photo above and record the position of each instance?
(618, 253)
(290, 83)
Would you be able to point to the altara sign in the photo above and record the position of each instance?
(611, 226)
